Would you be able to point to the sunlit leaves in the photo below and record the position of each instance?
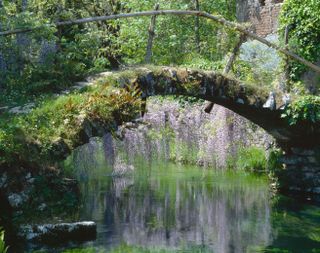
(306, 108)
(303, 19)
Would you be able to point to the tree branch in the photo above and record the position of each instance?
(217, 19)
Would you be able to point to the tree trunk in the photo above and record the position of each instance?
(114, 59)
(287, 70)
(151, 36)
(22, 40)
(197, 26)
(234, 54)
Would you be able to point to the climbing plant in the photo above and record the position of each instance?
(303, 19)
(305, 108)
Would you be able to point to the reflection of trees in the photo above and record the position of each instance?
(89, 164)
(160, 213)
(156, 207)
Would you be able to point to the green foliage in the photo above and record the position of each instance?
(303, 18)
(3, 248)
(185, 101)
(303, 109)
(258, 64)
(251, 73)
(78, 50)
(49, 59)
(32, 136)
(251, 159)
(274, 163)
(175, 36)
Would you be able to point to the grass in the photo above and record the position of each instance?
(250, 159)
(3, 247)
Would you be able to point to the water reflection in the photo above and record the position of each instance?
(196, 210)
(170, 206)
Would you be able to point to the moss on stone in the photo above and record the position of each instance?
(66, 118)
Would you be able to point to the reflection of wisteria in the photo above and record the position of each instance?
(154, 210)
(89, 163)
(224, 220)
(153, 207)
(108, 148)
(86, 157)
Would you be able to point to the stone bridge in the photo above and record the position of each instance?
(259, 105)
(300, 143)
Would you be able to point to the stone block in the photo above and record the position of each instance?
(63, 232)
(312, 160)
(303, 152)
(292, 160)
(316, 190)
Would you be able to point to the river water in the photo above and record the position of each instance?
(145, 203)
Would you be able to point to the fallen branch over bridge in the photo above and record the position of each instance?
(217, 19)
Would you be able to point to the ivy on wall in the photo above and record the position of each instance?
(303, 19)
(304, 109)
